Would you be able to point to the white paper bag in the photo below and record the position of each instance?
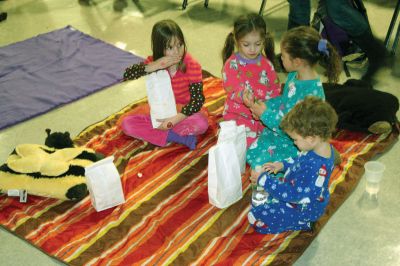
(160, 96)
(104, 184)
(231, 133)
(224, 178)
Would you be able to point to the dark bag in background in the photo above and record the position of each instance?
(349, 51)
(359, 105)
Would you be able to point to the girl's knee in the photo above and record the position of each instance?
(125, 125)
(196, 125)
(203, 124)
(131, 124)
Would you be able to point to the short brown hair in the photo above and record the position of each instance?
(311, 117)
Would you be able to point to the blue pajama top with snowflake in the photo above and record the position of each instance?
(297, 197)
(274, 144)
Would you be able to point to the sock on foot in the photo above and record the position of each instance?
(189, 140)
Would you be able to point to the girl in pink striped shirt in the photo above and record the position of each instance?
(169, 53)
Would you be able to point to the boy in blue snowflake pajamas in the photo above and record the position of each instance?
(298, 194)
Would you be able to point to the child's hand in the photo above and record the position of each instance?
(254, 176)
(248, 98)
(256, 117)
(255, 173)
(273, 168)
(166, 61)
(258, 109)
(170, 122)
(165, 124)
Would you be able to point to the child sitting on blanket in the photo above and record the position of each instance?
(169, 53)
(250, 69)
(302, 49)
(297, 187)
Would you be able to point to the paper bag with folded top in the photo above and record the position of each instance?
(160, 96)
(226, 161)
(104, 184)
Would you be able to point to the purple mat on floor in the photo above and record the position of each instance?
(55, 68)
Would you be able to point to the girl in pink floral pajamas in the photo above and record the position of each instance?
(248, 69)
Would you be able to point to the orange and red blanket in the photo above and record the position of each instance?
(167, 218)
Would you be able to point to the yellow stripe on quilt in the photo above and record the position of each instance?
(195, 236)
(42, 238)
(210, 103)
(103, 138)
(183, 230)
(149, 230)
(93, 261)
(127, 156)
(348, 166)
(249, 259)
(35, 215)
(206, 142)
(124, 110)
(229, 229)
(282, 246)
(123, 216)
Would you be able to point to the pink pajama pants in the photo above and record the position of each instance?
(140, 127)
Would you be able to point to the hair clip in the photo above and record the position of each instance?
(322, 47)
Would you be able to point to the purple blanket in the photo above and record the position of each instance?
(55, 68)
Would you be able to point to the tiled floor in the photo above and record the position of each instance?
(355, 235)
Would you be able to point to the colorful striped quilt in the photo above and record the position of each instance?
(167, 218)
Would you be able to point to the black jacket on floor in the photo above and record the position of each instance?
(359, 105)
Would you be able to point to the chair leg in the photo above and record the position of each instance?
(396, 40)
(392, 25)
(3, 16)
(346, 70)
(184, 4)
(262, 7)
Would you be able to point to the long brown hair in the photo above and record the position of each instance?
(302, 42)
(161, 36)
(242, 26)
